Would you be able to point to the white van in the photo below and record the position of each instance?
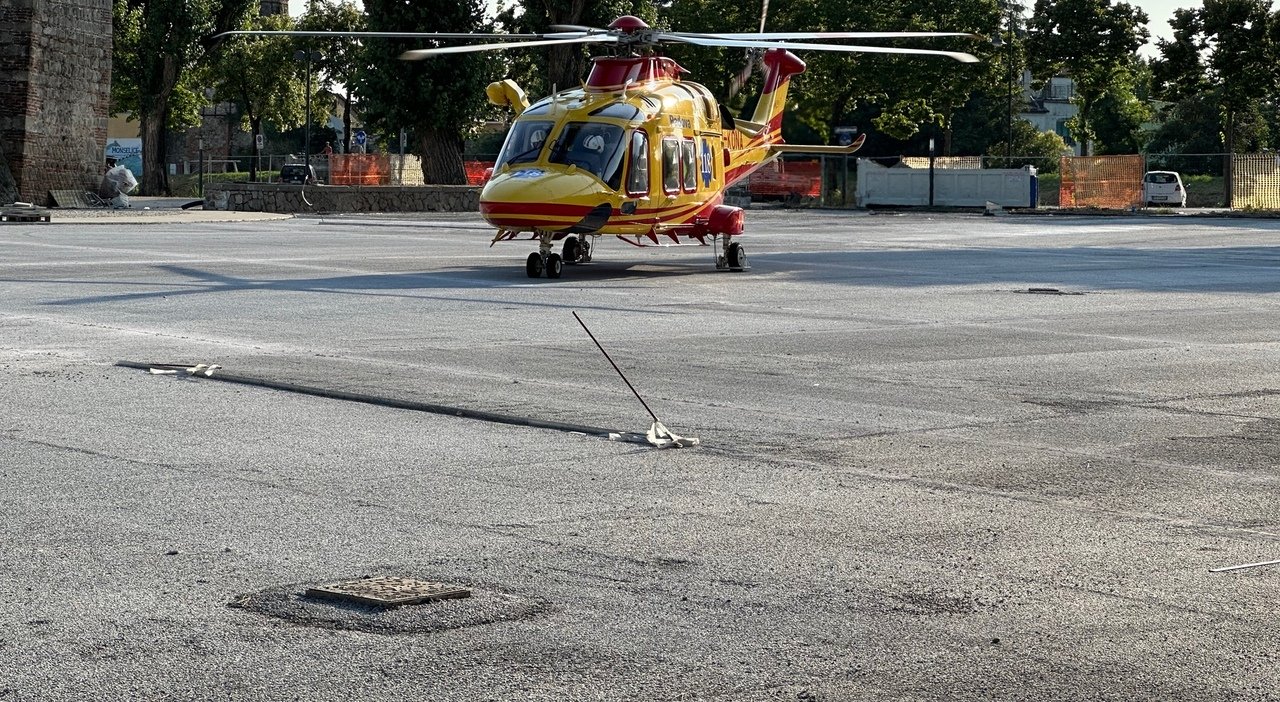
(1163, 189)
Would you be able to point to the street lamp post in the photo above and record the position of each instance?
(308, 57)
(1009, 142)
(997, 41)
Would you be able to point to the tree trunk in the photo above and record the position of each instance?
(346, 123)
(946, 133)
(1086, 143)
(155, 180)
(1228, 167)
(441, 153)
(153, 118)
(255, 126)
(565, 65)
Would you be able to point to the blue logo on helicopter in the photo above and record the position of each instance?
(527, 173)
(706, 164)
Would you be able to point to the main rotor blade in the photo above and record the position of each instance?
(377, 35)
(847, 48)
(577, 28)
(782, 36)
(418, 54)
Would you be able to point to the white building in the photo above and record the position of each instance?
(1049, 108)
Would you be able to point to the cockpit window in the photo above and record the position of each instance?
(524, 143)
(593, 147)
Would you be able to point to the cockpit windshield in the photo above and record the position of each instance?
(525, 142)
(593, 147)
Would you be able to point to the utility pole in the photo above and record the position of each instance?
(307, 57)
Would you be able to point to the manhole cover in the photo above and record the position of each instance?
(388, 591)
(1049, 291)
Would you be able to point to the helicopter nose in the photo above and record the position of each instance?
(546, 199)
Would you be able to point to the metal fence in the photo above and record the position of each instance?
(830, 181)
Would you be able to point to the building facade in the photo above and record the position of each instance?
(55, 88)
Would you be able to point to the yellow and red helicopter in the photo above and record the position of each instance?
(636, 152)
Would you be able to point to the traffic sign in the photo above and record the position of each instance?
(257, 141)
(361, 137)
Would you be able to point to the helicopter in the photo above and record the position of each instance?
(637, 152)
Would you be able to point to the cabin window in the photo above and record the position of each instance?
(593, 147)
(638, 173)
(689, 164)
(671, 165)
(524, 142)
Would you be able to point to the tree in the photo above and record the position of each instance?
(1120, 115)
(905, 94)
(248, 73)
(1222, 60)
(342, 57)
(155, 45)
(439, 99)
(1093, 40)
(1031, 147)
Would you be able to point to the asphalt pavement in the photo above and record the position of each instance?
(943, 457)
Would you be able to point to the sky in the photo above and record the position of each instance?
(1158, 10)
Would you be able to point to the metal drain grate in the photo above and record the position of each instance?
(1048, 291)
(386, 591)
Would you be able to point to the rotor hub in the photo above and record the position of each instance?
(628, 24)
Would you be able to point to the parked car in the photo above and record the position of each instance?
(1163, 189)
(297, 173)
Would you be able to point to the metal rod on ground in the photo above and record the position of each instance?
(615, 367)
(1246, 565)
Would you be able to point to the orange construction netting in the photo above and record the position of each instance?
(359, 169)
(1109, 182)
(785, 178)
(477, 171)
(1255, 181)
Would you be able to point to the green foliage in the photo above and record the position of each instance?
(260, 76)
(1223, 55)
(1094, 40)
(341, 55)
(439, 99)
(562, 67)
(439, 92)
(156, 46)
(1030, 147)
(1119, 116)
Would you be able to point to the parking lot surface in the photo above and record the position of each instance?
(944, 457)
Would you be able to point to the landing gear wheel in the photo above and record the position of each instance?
(737, 257)
(533, 265)
(572, 250)
(553, 266)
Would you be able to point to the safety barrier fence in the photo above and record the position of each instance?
(1108, 182)
(1241, 181)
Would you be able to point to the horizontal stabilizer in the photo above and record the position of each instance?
(812, 149)
(748, 128)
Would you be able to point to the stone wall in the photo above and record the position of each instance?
(55, 85)
(276, 197)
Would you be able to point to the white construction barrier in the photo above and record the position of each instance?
(952, 187)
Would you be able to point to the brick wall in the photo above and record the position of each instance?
(55, 82)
